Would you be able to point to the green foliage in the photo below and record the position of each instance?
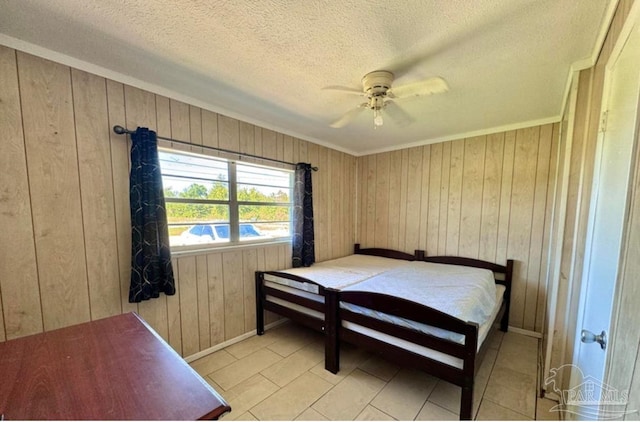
(179, 212)
(195, 191)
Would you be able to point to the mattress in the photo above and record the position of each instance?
(336, 273)
(466, 293)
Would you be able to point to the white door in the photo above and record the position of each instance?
(608, 214)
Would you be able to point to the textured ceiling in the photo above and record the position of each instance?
(267, 61)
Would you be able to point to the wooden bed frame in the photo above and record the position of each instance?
(318, 324)
(464, 377)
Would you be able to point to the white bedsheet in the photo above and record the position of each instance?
(338, 273)
(466, 293)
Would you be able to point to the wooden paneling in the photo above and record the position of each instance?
(506, 189)
(249, 267)
(66, 202)
(444, 199)
(393, 217)
(545, 265)
(334, 211)
(120, 180)
(381, 224)
(369, 202)
(216, 298)
(432, 168)
(20, 304)
(321, 209)
(414, 202)
(54, 184)
(452, 241)
(187, 277)
(209, 129)
(269, 144)
(523, 184)
(233, 294)
(96, 189)
(540, 208)
(490, 214)
(202, 297)
(247, 138)
(483, 197)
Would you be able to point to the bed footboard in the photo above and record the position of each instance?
(307, 310)
(444, 358)
(408, 346)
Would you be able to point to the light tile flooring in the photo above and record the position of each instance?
(281, 376)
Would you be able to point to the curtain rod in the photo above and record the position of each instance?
(123, 131)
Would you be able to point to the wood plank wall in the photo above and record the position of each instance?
(487, 197)
(64, 207)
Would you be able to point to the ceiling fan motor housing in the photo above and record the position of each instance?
(377, 83)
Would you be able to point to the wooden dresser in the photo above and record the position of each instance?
(111, 369)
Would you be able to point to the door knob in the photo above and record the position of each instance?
(588, 337)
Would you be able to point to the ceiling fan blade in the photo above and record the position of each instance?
(435, 85)
(481, 27)
(348, 117)
(397, 114)
(346, 89)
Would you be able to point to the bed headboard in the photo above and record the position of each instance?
(388, 253)
(502, 273)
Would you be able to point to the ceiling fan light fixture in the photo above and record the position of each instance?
(376, 103)
(377, 119)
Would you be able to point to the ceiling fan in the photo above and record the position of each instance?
(376, 87)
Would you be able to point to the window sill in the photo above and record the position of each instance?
(182, 251)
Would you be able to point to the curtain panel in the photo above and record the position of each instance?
(151, 269)
(303, 244)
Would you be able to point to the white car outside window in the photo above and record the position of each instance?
(217, 233)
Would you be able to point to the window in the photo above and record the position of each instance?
(214, 201)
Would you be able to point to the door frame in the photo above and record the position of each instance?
(632, 20)
(557, 331)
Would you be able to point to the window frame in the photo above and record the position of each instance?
(232, 203)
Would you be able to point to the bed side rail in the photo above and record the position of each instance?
(388, 253)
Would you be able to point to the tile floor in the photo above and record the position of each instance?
(281, 376)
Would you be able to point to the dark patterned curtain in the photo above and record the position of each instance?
(151, 269)
(303, 237)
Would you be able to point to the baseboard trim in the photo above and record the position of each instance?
(227, 343)
(551, 396)
(525, 332)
